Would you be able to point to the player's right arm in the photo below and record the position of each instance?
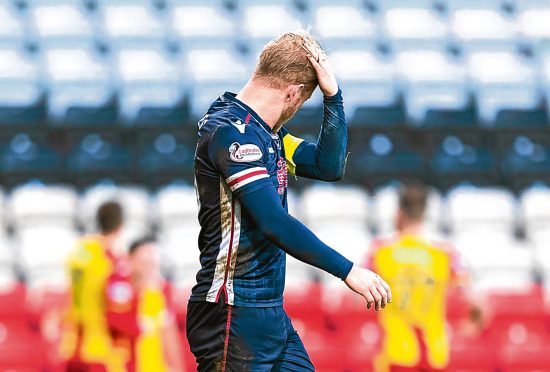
(249, 182)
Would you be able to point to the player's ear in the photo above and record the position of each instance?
(294, 92)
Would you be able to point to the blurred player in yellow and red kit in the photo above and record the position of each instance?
(140, 313)
(420, 271)
(86, 343)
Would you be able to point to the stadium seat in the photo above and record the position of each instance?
(519, 332)
(298, 276)
(293, 201)
(264, 20)
(506, 92)
(11, 27)
(496, 261)
(532, 22)
(3, 219)
(175, 206)
(37, 205)
(381, 158)
(99, 155)
(486, 209)
(329, 205)
(27, 157)
(409, 27)
(131, 24)
(535, 204)
(43, 252)
(180, 253)
(435, 89)
(21, 95)
(371, 94)
(56, 23)
(545, 70)
(351, 241)
(471, 354)
(340, 25)
(80, 88)
(526, 161)
(164, 154)
(191, 31)
(354, 333)
(151, 88)
(483, 29)
(7, 261)
(458, 158)
(207, 78)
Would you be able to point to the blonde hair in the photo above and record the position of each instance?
(284, 61)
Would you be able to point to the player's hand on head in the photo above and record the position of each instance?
(369, 285)
(323, 68)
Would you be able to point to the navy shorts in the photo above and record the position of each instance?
(228, 338)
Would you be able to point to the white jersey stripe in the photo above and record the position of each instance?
(247, 181)
(231, 231)
(234, 249)
(221, 259)
(244, 173)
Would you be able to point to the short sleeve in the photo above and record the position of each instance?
(238, 153)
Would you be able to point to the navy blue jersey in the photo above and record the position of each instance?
(240, 161)
(237, 153)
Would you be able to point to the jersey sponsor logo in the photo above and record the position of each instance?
(120, 292)
(282, 176)
(244, 153)
(240, 126)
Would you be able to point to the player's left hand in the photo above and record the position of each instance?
(325, 74)
(369, 285)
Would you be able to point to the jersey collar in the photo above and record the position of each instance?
(249, 113)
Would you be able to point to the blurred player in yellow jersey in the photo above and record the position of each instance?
(141, 315)
(86, 343)
(420, 270)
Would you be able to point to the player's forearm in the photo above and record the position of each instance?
(325, 160)
(291, 235)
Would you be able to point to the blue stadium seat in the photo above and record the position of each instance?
(368, 82)
(21, 95)
(458, 158)
(526, 160)
(12, 30)
(506, 89)
(80, 88)
(25, 154)
(95, 154)
(56, 23)
(151, 90)
(380, 157)
(211, 72)
(192, 25)
(165, 153)
(133, 24)
(435, 89)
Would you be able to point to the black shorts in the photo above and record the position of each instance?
(228, 338)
